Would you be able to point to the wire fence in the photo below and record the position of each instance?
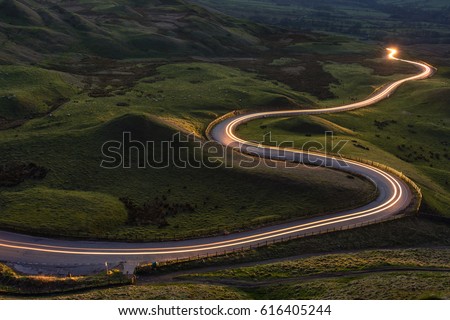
(145, 268)
(415, 188)
(35, 286)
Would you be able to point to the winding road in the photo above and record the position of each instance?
(33, 254)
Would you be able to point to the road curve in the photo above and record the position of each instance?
(394, 196)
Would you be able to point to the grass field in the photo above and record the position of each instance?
(362, 275)
(174, 291)
(407, 285)
(192, 95)
(335, 263)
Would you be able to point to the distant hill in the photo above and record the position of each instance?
(31, 30)
(400, 21)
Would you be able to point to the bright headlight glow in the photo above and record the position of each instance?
(392, 52)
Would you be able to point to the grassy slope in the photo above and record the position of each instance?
(31, 91)
(188, 95)
(346, 285)
(13, 283)
(163, 292)
(407, 285)
(210, 90)
(58, 30)
(366, 260)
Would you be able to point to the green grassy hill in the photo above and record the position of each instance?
(27, 92)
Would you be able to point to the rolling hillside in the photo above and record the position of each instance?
(32, 30)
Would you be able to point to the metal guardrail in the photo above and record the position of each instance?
(216, 121)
